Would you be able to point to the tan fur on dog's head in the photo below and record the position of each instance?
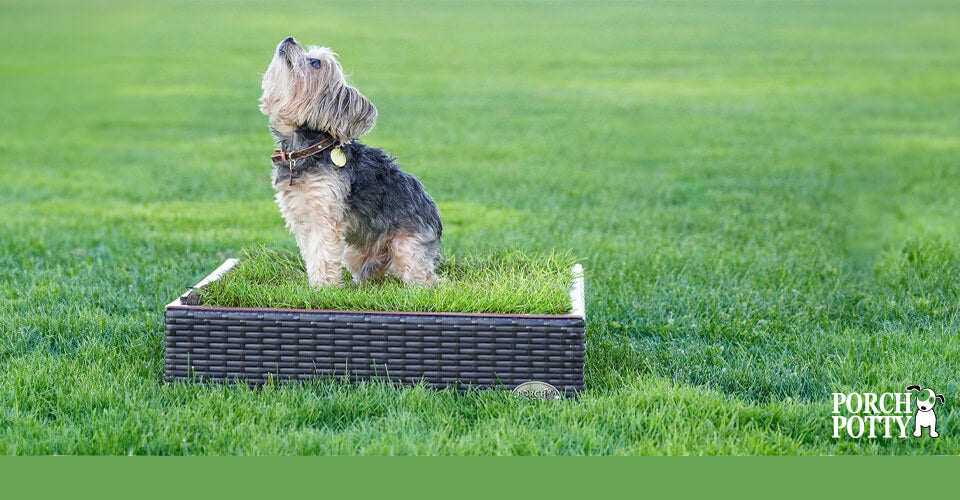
(306, 88)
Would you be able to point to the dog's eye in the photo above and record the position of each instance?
(315, 63)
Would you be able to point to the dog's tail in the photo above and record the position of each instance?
(372, 269)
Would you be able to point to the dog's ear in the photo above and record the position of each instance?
(913, 388)
(357, 115)
(940, 397)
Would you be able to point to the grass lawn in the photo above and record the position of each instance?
(505, 282)
(765, 197)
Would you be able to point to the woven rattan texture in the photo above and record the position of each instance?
(226, 345)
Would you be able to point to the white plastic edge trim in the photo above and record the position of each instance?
(214, 276)
(576, 293)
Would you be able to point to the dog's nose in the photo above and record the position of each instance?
(289, 39)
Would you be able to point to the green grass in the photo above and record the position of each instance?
(507, 282)
(763, 194)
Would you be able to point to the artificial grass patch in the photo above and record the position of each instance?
(500, 282)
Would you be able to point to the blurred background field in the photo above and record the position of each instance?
(764, 196)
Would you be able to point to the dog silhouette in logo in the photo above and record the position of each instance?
(926, 400)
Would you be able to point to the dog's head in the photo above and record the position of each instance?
(306, 88)
(926, 398)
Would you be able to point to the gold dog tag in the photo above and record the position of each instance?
(339, 159)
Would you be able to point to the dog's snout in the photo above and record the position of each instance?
(285, 47)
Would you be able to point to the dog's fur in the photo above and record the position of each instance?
(368, 216)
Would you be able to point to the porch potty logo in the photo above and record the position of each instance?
(886, 415)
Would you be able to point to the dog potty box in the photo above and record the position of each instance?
(459, 350)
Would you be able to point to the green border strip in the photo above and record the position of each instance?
(473, 477)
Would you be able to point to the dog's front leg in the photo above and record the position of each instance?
(314, 213)
(322, 251)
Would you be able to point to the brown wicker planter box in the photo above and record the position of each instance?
(226, 344)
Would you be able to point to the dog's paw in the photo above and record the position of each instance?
(321, 282)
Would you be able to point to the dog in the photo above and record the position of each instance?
(347, 204)
(925, 416)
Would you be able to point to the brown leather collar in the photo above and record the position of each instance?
(318, 147)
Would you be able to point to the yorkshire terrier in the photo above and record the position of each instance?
(347, 204)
